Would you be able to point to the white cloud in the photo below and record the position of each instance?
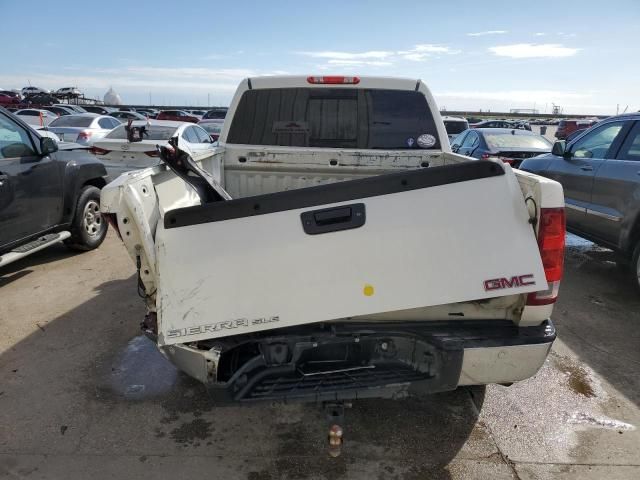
(415, 57)
(379, 58)
(529, 50)
(430, 48)
(420, 52)
(487, 32)
(539, 34)
(370, 63)
(349, 55)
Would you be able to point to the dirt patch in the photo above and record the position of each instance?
(578, 378)
(189, 397)
(192, 432)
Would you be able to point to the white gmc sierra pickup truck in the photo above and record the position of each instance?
(334, 248)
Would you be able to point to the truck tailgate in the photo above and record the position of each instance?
(392, 242)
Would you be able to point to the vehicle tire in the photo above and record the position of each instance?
(89, 227)
(623, 265)
(635, 265)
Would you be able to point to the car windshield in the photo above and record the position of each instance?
(500, 140)
(212, 127)
(454, 127)
(72, 121)
(155, 132)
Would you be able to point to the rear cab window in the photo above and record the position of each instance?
(334, 118)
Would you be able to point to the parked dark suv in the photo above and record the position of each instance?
(600, 173)
(46, 195)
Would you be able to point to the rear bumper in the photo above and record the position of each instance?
(355, 360)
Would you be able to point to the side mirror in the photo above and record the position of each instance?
(47, 146)
(559, 148)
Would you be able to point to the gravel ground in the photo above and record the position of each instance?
(83, 395)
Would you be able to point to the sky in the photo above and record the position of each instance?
(492, 55)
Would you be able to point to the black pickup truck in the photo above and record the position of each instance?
(600, 173)
(47, 194)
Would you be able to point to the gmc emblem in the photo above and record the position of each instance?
(515, 281)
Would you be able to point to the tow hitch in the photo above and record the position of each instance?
(335, 419)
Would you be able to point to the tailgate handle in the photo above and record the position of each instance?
(333, 219)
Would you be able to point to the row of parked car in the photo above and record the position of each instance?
(85, 124)
(567, 128)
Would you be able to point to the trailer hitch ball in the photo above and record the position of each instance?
(335, 440)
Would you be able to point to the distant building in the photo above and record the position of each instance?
(112, 98)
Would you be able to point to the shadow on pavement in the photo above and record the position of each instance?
(14, 271)
(89, 384)
(598, 315)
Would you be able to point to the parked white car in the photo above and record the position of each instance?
(83, 128)
(36, 116)
(121, 155)
(34, 90)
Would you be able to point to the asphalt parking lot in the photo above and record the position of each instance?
(83, 395)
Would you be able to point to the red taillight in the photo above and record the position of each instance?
(334, 80)
(152, 153)
(98, 151)
(551, 237)
(85, 135)
(507, 160)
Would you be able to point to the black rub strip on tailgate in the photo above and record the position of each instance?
(332, 193)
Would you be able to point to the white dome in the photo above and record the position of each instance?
(112, 98)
